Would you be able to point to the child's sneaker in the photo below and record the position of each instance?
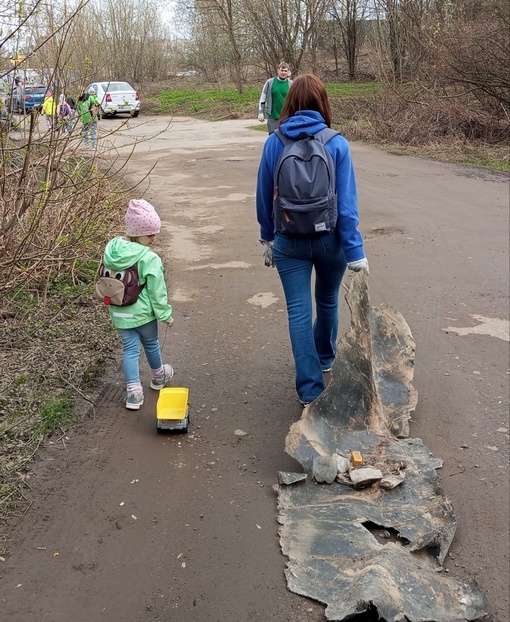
(158, 382)
(134, 401)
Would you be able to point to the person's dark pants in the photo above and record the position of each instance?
(272, 125)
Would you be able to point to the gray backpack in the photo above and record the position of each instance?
(305, 201)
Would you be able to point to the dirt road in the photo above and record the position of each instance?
(127, 525)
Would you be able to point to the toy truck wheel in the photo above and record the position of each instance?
(184, 428)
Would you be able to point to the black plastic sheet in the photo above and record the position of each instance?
(370, 549)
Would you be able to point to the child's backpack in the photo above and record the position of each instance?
(63, 111)
(118, 287)
(94, 110)
(305, 201)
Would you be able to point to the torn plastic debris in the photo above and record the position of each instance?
(330, 533)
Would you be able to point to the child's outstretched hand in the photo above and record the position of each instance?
(170, 322)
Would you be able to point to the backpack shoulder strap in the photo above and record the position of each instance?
(285, 139)
(326, 135)
(138, 271)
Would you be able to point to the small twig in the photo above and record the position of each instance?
(25, 513)
(457, 473)
(30, 456)
(164, 338)
(20, 492)
(61, 438)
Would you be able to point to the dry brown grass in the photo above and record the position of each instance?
(416, 122)
(58, 206)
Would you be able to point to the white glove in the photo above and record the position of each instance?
(267, 253)
(360, 264)
(261, 117)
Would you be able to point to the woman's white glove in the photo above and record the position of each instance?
(261, 117)
(360, 264)
(267, 253)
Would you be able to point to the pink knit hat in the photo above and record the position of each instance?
(141, 219)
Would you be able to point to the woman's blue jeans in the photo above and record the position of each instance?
(89, 134)
(132, 338)
(313, 342)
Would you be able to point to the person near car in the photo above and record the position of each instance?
(49, 109)
(137, 323)
(273, 97)
(72, 104)
(64, 114)
(307, 110)
(86, 104)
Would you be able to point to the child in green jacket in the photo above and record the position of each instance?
(138, 323)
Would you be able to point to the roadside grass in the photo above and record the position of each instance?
(366, 112)
(226, 103)
(490, 157)
(56, 339)
(209, 104)
(54, 352)
(55, 414)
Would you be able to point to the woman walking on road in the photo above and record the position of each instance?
(88, 107)
(306, 112)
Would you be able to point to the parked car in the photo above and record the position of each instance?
(185, 74)
(116, 97)
(24, 98)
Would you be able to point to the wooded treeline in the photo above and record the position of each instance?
(451, 48)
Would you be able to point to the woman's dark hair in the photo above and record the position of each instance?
(82, 97)
(307, 93)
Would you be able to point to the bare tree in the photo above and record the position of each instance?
(228, 18)
(349, 17)
(400, 34)
(286, 30)
(471, 43)
(130, 39)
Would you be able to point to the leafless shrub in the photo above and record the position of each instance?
(55, 209)
(416, 116)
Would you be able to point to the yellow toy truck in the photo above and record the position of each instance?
(172, 410)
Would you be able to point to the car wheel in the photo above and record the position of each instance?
(135, 113)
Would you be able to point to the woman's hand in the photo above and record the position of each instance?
(267, 253)
(361, 264)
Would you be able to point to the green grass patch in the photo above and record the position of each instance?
(356, 90)
(92, 373)
(478, 155)
(58, 412)
(227, 103)
(485, 162)
(210, 103)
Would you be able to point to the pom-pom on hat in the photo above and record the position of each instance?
(141, 219)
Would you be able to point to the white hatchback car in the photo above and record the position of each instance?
(116, 97)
